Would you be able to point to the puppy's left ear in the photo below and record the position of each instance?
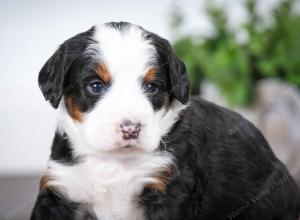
(180, 85)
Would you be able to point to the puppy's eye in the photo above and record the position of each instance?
(151, 88)
(96, 87)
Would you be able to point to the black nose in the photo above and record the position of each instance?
(130, 129)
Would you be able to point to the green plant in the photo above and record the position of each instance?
(272, 51)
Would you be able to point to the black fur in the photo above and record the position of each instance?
(61, 150)
(224, 169)
(52, 75)
(222, 174)
(52, 206)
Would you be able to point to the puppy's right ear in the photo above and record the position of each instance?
(52, 75)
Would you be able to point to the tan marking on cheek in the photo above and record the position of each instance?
(103, 72)
(73, 108)
(163, 178)
(150, 75)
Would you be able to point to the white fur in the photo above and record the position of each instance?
(110, 186)
(109, 178)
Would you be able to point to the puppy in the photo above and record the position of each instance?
(131, 145)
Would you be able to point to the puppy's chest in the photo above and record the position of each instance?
(111, 188)
(116, 196)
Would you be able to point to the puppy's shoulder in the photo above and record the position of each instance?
(212, 116)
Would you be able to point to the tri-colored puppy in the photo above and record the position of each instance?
(131, 145)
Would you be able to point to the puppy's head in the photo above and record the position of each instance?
(119, 88)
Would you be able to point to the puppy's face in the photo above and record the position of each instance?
(119, 89)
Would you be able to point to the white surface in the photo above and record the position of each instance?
(30, 32)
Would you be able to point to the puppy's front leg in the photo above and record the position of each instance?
(52, 206)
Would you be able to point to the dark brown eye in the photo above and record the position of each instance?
(151, 88)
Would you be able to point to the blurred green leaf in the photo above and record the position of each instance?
(272, 51)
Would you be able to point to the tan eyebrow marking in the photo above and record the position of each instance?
(150, 75)
(103, 72)
(73, 108)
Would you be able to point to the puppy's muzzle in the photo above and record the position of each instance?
(130, 129)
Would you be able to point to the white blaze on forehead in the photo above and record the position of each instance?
(125, 52)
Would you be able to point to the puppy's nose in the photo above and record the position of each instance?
(130, 129)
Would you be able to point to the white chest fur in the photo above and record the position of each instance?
(110, 186)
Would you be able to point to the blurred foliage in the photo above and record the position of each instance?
(271, 51)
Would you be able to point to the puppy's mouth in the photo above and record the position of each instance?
(127, 148)
(130, 149)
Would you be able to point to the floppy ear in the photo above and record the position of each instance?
(52, 75)
(180, 85)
